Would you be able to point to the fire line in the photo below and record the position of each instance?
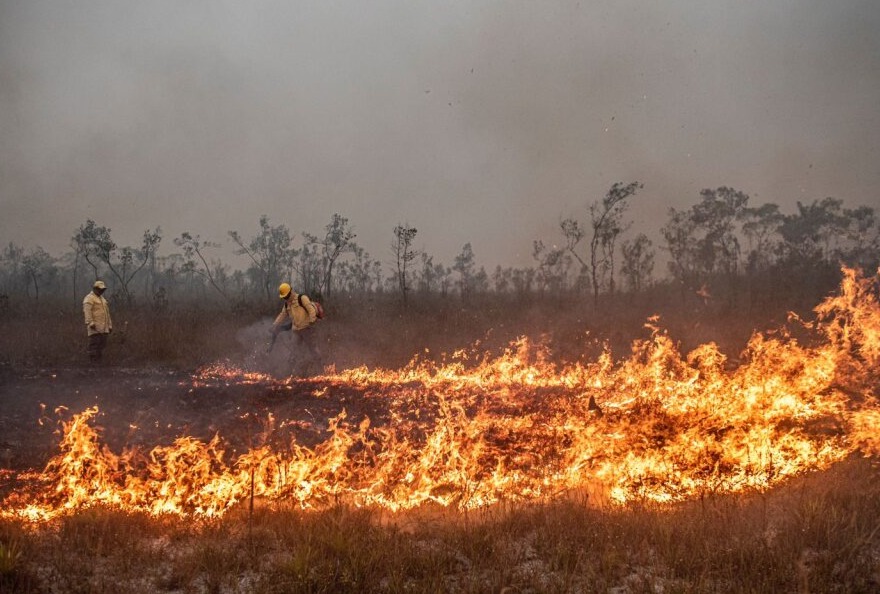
(478, 429)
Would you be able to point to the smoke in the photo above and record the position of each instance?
(468, 120)
(290, 354)
(256, 342)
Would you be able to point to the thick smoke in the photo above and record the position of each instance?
(468, 120)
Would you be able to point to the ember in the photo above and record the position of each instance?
(477, 429)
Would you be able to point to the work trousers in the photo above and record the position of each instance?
(97, 342)
(307, 340)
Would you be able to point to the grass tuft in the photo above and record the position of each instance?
(818, 533)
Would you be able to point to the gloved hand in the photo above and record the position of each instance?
(92, 326)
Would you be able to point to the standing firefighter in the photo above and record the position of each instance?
(298, 313)
(98, 323)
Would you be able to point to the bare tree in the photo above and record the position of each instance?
(433, 276)
(309, 265)
(552, 266)
(679, 234)
(12, 257)
(338, 239)
(270, 252)
(501, 279)
(97, 246)
(606, 224)
(358, 273)
(523, 279)
(638, 261)
(465, 266)
(91, 241)
(77, 253)
(193, 248)
(404, 254)
(37, 264)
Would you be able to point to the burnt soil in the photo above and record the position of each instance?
(145, 408)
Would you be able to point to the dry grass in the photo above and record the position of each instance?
(376, 331)
(820, 533)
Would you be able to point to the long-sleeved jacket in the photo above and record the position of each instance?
(301, 316)
(97, 312)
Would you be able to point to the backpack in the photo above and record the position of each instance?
(319, 309)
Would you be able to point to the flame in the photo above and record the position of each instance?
(474, 429)
(226, 374)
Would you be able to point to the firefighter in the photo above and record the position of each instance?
(298, 314)
(98, 323)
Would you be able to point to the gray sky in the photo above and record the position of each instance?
(474, 121)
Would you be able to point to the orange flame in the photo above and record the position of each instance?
(474, 430)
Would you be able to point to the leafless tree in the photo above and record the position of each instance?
(404, 254)
(638, 262)
(270, 252)
(606, 224)
(193, 250)
(338, 239)
(552, 266)
(37, 265)
(465, 266)
(97, 246)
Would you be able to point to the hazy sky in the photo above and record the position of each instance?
(474, 121)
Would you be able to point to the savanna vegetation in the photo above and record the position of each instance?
(817, 534)
(731, 268)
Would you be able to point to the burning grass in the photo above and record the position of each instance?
(476, 430)
(816, 533)
(657, 470)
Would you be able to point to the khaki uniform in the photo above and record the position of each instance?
(300, 317)
(97, 311)
(305, 355)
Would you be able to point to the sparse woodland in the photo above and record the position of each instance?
(730, 269)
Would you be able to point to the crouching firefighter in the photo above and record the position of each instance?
(298, 314)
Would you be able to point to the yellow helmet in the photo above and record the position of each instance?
(283, 290)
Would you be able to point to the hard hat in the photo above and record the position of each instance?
(283, 290)
(99, 284)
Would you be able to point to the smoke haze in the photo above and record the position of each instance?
(481, 122)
